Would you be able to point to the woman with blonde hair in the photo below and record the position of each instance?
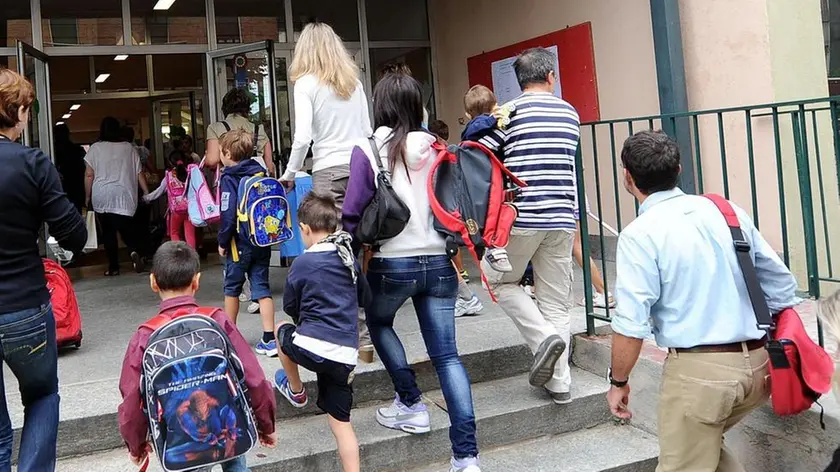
(331, 110)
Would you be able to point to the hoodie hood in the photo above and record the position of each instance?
(418, 147)
(478, 127)
(246, 168)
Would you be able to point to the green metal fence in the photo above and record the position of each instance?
(778, 161)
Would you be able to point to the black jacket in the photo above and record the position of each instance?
(31, 195)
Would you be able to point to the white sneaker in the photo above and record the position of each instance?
(410, 419)
(498, 259)
(469, 307)
(253, 307)
(467, 464)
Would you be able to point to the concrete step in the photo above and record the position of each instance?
(604, 448)
(507, 411)
(92, 406)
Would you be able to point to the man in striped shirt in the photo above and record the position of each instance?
(539, 146)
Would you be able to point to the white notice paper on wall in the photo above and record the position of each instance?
(505, 85)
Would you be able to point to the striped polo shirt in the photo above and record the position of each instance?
(539, 147)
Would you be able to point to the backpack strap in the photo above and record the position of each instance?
(161, 319)
(742, 251)
(226, 125)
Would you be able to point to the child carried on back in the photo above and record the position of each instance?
(324, 290)
(485, 118)
(209, 428)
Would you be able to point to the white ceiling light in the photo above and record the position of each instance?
(121, 57)
(102, 78)
(163, 4)
(66, 116)
(75, 106)
(59, 123)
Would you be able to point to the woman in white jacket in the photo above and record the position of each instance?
(412, 265)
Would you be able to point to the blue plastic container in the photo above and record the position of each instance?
(303, 184)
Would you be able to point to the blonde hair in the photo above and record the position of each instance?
(479, 100)
(321, 53)
(239, 143)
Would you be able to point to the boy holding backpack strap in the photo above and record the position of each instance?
(209, 428)
(243, 258)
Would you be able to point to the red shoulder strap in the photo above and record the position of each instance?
(725, 209)
(161, 319)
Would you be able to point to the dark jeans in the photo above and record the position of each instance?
(28, 348)
(432, 285)
(135, 237)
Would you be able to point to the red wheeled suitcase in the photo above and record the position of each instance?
(68, 319)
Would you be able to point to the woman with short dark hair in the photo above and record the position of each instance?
(30, 195)
(111, 180)
(236, 106)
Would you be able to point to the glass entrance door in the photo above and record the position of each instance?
(255, 68)
(34, 65)
(175, 118)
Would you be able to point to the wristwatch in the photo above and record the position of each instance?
(614, 382)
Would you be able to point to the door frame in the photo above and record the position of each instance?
(43, 95)
(156, 123)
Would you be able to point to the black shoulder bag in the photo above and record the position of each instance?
(386, 215)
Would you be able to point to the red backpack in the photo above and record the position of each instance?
(800, 370)
(68, 319)
(470, 192)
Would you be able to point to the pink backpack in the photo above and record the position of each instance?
(177, 193)
(202, 204)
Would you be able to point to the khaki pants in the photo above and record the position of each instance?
(702, 396)
(550, 252)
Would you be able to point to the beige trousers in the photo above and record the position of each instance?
(702, 396)
(550, 252)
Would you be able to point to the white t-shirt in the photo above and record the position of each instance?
(334, 124)
(115, 169)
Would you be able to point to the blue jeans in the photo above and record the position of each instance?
(432, 285)
(233, 465)
(28, 346)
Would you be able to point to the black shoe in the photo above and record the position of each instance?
(545, 359)
(138, 261)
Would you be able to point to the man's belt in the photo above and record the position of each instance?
(731, 347)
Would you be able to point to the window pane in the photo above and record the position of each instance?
(128, 75)
(183, 23)
(411, 24)
(88, 23)
(69, 74)
(249, 21)
(419, 60)
(342, 15)
(178, 71)
(14, 23)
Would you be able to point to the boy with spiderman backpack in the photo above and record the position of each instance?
(208, 403)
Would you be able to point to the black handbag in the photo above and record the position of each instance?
(386, 215)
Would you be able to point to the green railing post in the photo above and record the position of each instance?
(696, 122)
(584, 240)
(723, 167)
(800, 139)
(585, 216)
(751, 159)
(615, 176)
(780, 176)
(822, 192)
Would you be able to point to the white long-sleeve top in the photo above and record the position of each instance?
(335, 125)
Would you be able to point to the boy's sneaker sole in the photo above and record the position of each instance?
(266, 352)
(399, 425)
(286, 396)
(545, 359)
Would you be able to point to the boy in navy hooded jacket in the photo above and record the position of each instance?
(241, 257)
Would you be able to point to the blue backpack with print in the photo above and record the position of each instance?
(263, 215)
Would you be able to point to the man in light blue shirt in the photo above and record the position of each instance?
(678, 278)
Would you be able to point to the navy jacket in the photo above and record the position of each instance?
(479, 127)
(229, 187)
(31, 195)
(322, 299)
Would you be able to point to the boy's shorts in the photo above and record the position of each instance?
(335, 389)
(253, 262)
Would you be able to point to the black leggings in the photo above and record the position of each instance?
(130, 232)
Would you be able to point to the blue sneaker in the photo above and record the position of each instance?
(281, 383)
(267, 348)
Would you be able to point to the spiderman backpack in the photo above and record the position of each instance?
(470, 192)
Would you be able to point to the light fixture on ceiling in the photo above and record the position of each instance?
(59, 123)
(163, 4)
(121, 57)
(66, 116)
(102, 78)
(75, 106)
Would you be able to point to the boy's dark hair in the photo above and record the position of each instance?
(319, 212)
(653, 160)
(439, 129)
(175, 265)
(237, 101)
(239, 142)
(533, 66)
(479, 100)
